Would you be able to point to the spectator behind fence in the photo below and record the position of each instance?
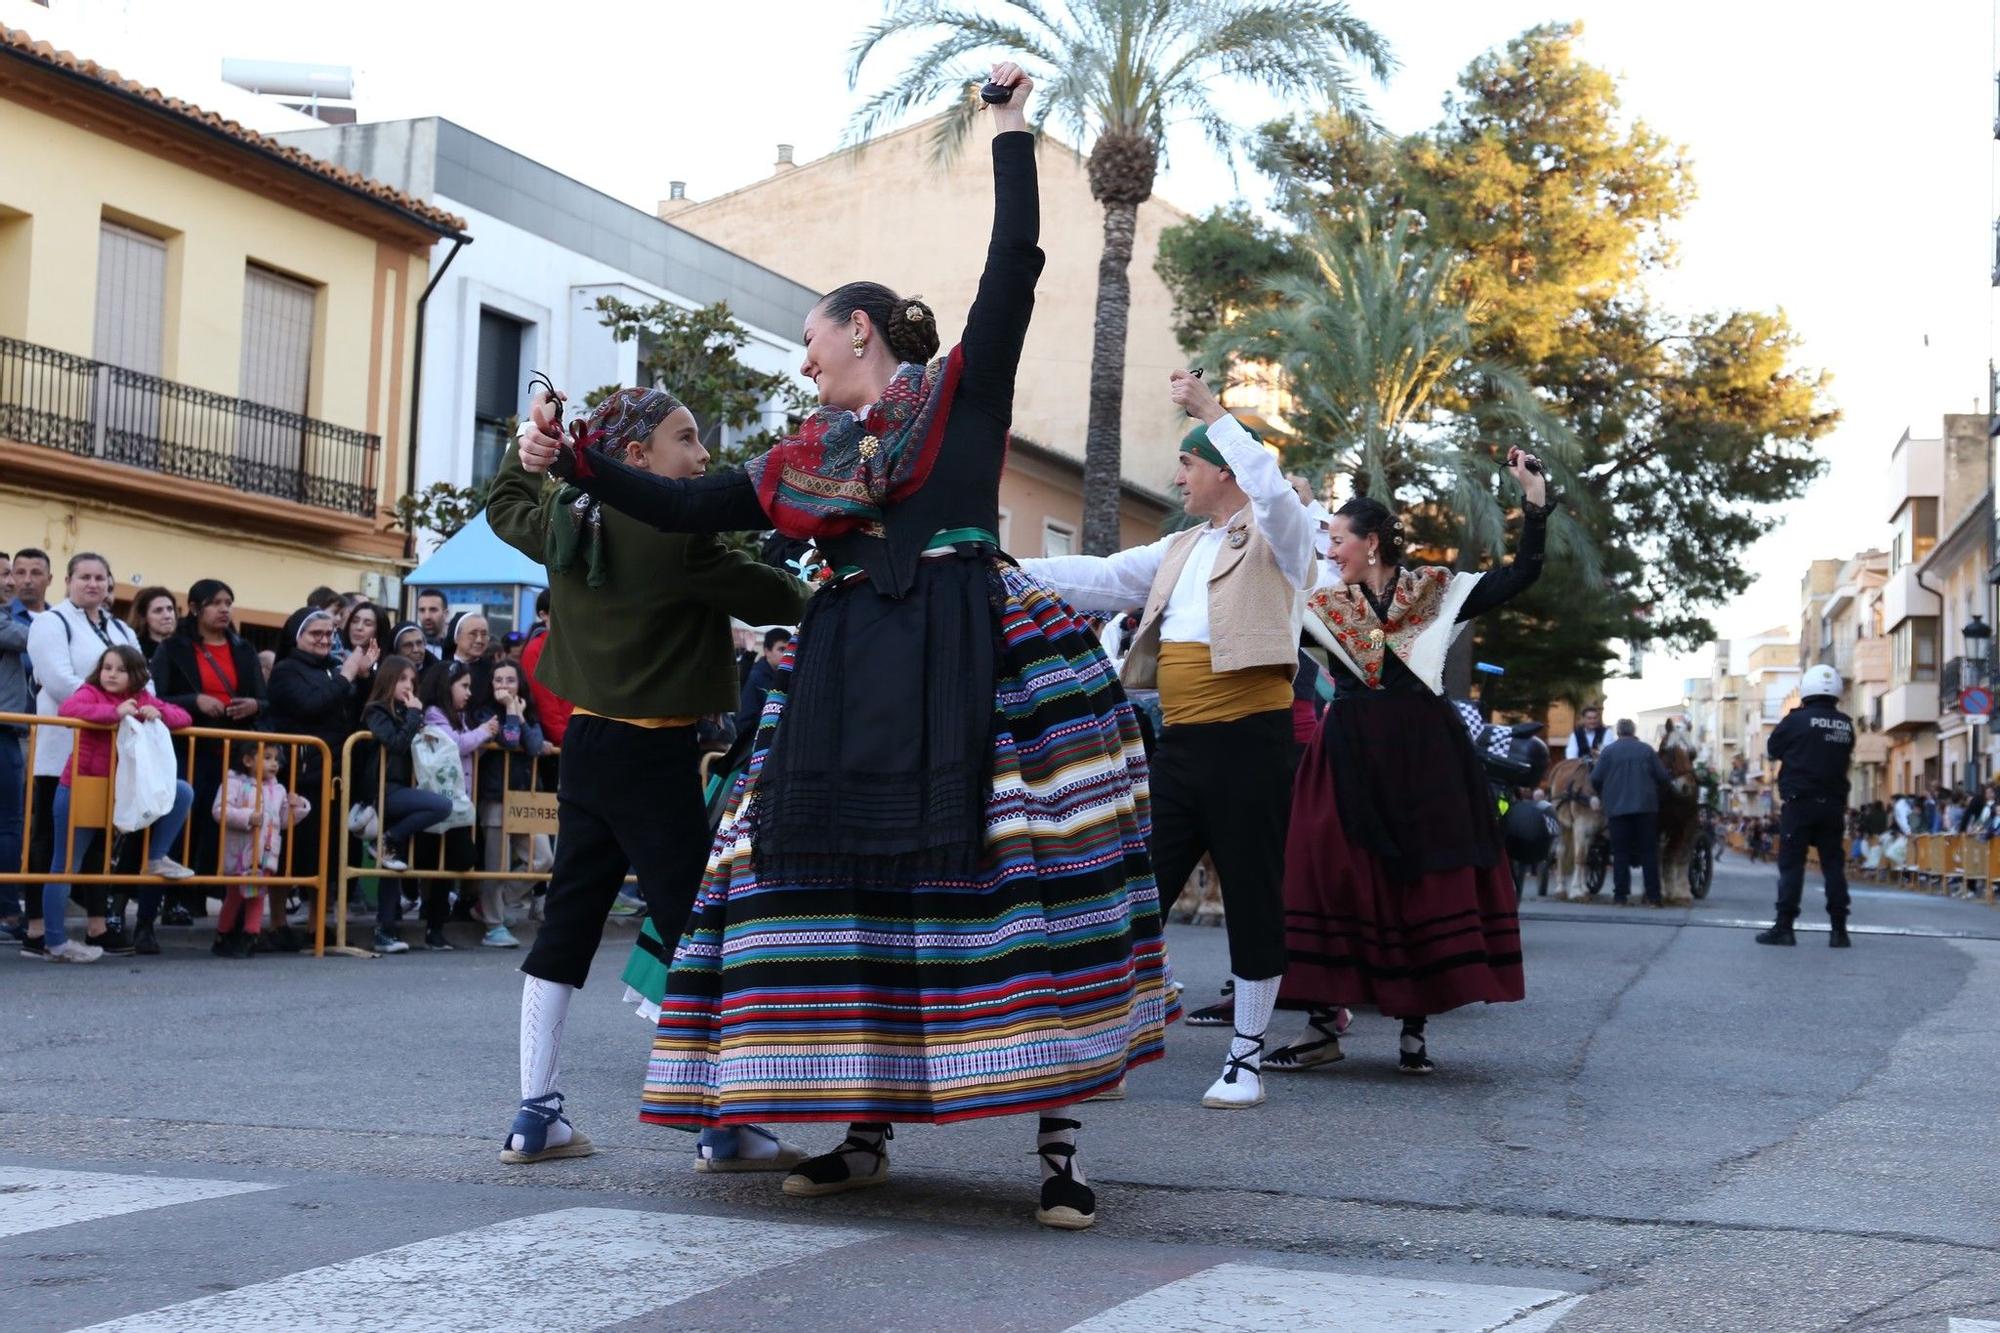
(16, 696)
(407, 641)
(114, 691)
(254, 810)
(32, 573)
(311, 695)
(65, 645)
(153, 618)
(6, 578)
(470, 640)
(394, 717)
(520, 740)
(432, 613)
(552, 708)
(362, 626)
(763, 676)
(447, 696)
(206, 670)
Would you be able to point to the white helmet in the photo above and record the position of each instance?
(1820, 680)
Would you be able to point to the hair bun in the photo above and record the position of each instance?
(912, 330)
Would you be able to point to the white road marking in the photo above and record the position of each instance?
(572, 1269)
(1974, 1326)
(1244, 1298)
(35, 1200)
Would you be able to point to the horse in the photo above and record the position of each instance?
(1579, 818)
(1680, 818)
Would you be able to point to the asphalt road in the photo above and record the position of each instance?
(1677, 1130)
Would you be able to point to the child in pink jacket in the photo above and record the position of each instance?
(254, 811)
(114, 692)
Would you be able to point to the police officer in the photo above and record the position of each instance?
(1814, 744)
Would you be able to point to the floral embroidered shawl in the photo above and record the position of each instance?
(843, 469)
(1415, 606)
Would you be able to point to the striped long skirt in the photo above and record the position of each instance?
(1032, 984)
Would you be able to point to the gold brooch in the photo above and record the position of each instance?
(1376, 636)
(870, 446)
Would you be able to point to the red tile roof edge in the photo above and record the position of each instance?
(14, 42)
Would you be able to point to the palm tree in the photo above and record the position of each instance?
(1116, 74)
(1375, 350)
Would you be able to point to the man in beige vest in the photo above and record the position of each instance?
(1219, 640)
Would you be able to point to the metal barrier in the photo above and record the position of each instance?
(527, 811)
(91, 809)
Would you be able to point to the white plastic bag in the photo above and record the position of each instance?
(434, 768)
(146, 775)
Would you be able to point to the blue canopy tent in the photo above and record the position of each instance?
(477, 571)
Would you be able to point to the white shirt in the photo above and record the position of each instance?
(1122, 581)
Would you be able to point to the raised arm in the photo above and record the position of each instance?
(997, 326)
(724, 501)
(1510, 581)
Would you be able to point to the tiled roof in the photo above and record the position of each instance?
(19, 45)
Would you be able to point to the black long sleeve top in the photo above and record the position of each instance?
(964, 486)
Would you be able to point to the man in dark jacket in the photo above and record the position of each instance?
(763, 675)
(1628, 777)
(1814, 745)
(639, 642)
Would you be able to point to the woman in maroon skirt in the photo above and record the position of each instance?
(1397, 892)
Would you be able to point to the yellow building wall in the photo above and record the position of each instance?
(66, 179)
(271, 578)
(887, 213)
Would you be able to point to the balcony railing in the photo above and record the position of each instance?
(1961, 672)
(93, 410)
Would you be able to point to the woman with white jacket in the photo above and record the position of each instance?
(65, 644)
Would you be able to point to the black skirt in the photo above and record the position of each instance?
(1408, 782)
(881, 770)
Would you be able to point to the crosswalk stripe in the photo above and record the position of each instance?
(1974, 1326)
(572, 1269)
(33, 1199)
(1245, 1298)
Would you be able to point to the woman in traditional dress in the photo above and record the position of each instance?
(1397, 891)
(929, 899)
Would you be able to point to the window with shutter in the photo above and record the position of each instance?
(278, 317)
(127, 338)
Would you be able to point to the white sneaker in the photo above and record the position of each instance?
(69, 951)
(388, 860)
(168, 868)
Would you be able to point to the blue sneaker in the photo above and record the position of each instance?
(499, 937)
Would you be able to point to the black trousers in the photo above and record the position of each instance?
(1635, 838)
(1224, 789)
(1818, 822)
(629, 798)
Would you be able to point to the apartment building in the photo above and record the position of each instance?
(206, 340)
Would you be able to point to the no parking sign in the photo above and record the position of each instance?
(1976, 702)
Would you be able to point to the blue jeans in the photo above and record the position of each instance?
(408, 811)
(13, 795)
(55, 897)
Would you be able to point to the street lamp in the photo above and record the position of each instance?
(1977, 633)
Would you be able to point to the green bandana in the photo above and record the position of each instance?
(1196, 442)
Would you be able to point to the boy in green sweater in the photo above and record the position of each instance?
(639, 642)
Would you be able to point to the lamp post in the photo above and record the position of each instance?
(1977, 634)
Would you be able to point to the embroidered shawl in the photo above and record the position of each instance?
(1422, 622)
(844, 469)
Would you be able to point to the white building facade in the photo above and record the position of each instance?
(522, 296)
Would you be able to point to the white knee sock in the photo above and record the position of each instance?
(544, 1007)
(1254, 1002)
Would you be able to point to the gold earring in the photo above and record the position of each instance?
(860, 345)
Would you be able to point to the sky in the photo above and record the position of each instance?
(1845, 172)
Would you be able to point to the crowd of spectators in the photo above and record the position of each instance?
(339, 666)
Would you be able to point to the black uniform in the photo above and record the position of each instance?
(1815, 743)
